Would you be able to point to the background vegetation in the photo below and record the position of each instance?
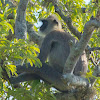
(12, 50)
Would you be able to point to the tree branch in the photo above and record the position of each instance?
(93, 49)
(78, 48)
(20, 24)
(50, 75)
(80, 94)
(47, 73)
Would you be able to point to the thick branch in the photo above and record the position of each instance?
(50, 75)
(77, 50)
(22, 27)
(20, 24)
(80, 94)
(46, 73)
(73, 80)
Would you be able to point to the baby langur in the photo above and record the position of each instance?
(56, 48)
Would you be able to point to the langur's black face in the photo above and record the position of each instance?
(44, 25)
(49, 24)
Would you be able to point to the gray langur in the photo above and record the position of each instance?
(56, 47)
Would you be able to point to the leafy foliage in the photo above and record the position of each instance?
(13, 50)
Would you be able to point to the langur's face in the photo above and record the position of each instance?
(49, 24)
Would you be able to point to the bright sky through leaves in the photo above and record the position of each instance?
(87, 1)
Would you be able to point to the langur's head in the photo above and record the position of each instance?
(49, 24)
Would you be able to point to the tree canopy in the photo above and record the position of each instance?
(20, 42)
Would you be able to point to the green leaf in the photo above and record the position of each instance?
(29, 60)
(11, 68)
(7, 25)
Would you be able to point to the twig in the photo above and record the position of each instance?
(93, 61)
(93, 49)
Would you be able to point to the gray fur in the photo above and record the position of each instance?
(56, 47)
